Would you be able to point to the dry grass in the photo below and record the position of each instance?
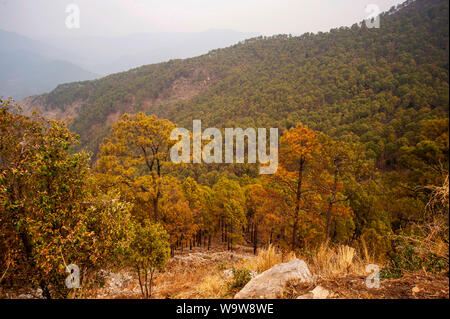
(180, 281)
(338, 260)
(436, 228)
(199, 275)
(327, 262)
(439, 197)
(266, 259)
(213, 286)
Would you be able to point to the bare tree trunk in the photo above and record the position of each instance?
(331, 203)
(146, 284)
(231, 237)
(152, 271)
(155, 206)
(297, 203)
(140, 280)
(45, 290)
(255, 239)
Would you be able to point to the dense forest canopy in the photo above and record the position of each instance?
(373, 85)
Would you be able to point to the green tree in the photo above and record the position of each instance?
(135, 158)
(229, 205)
(49, 213)
(148, 252)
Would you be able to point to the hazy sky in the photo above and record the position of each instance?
(121, 17)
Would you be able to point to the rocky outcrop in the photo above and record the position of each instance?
(271, 283)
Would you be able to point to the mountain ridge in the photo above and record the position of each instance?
(349, 83)
(31, 67)
(107, 55)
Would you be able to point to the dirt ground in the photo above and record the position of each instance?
(198, 273)
(411, 286)
(185, 273)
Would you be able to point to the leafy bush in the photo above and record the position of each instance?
(407, 258)
(148, 251)
(240, 278)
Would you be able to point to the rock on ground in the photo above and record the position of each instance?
(118, 284)
(317, 293)
(270, 284)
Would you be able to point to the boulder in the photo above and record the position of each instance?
(271, 283)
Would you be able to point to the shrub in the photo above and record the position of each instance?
(407, 257)
(240, 278)
(148, 251)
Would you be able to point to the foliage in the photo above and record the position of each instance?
(375, 86)
(148, 251)
(406, 257)
(135, 158)
(363, 157)
(229, 204)
(240, 278)
(49, 212)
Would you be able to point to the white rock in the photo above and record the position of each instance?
(317, 293)
(271, 283)
(320, 293)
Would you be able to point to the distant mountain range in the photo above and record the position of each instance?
(29, 67)
(107, 55)
(35, 66)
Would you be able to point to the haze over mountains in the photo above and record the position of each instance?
(31, 67)
(107, 55)
(35, 66)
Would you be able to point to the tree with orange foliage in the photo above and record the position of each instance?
(177, 217)
(265, 211)
(296, 148)
(136, 157)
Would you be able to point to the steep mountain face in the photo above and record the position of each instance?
(376, 86)
(30, 67)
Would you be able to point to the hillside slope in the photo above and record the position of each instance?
(371, 85)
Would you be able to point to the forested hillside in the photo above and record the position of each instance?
(375, 85)
(363, 157)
